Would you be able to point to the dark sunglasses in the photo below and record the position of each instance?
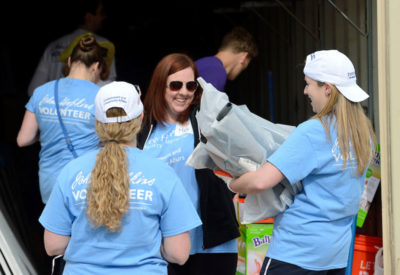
(191, 86)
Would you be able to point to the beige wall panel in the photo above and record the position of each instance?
(388, 41)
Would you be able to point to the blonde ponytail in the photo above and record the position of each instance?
(107, 194)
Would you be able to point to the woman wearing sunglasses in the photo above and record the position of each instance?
(170, 133)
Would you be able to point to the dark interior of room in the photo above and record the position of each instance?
(142, 34)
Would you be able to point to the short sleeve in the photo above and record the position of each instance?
(212, 71)
(31, 106)
(56, 216)
(296, 157)
(179, 215)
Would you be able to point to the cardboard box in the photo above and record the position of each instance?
(252, 245)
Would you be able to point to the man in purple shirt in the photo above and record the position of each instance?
(237, 49)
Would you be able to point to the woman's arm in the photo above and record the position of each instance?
(55, 244)
(29, 132)
(176, 249)
(265, 177)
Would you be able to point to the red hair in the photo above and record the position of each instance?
(154, 103)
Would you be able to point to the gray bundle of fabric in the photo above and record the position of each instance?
(238, 141)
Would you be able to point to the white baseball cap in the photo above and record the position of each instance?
(118, 94)
(335, 68)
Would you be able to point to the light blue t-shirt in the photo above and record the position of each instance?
(315, 231)
(173, 144)
(159, 207)
(76, 101)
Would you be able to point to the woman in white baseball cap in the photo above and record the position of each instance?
(329, 153)
(116, 210)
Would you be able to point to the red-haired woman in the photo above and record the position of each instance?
(170, 133)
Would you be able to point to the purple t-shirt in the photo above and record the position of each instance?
(212, 70)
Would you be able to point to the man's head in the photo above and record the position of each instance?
(237, 49)
(239, 40)
(91, 15)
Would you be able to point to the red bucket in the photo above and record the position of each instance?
(365, 248)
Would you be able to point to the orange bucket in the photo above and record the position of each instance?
(365, 248)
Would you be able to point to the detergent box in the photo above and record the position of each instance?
(371, 183)
(252, 245)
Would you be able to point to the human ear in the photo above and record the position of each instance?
(243, 56)
(95, 66)
(328, 89)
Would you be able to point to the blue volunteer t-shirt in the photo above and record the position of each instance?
(173, 144)
(158, 207)
(76, 101)
(315, 231)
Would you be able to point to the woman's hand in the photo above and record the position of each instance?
(225, 176)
